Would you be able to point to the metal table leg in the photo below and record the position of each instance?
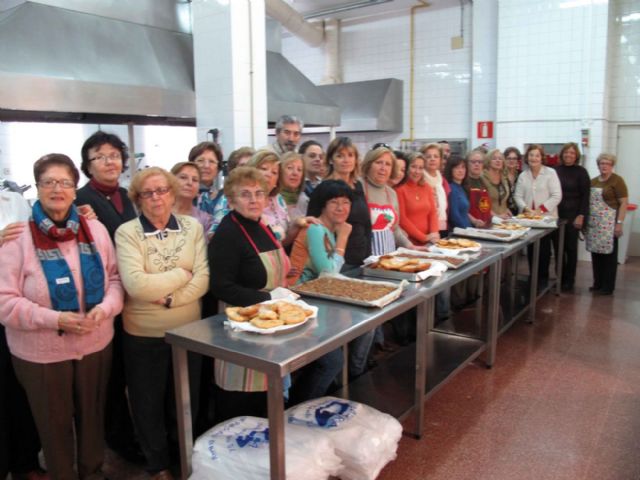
(276, 427)
(345, 371)
(513, 278)
(560, 256)
(183, 405)
(479, 302)
(533, 288)
(493, 311)
(424, 314)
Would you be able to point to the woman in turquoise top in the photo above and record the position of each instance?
(317, 249)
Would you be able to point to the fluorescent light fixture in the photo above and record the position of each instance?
(632, 17)
(327, 12)
(582, 3)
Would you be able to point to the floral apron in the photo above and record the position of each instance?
(230, 376)
(601, 224)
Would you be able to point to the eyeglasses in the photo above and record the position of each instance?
(512, 158)
(114, 157)
(381, 145)
(51, 183)
(246, 195)
(477, 162)
(206, 161)
(158, 191)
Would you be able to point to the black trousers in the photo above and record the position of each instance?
(570, 253)
(19, 440)
(545, 258)
(149, 370)
(605, 269)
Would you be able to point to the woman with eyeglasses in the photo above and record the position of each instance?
(247, 262)
(512, 161)
(497, 184)
(59, 294)
(208, 157)
(574, 208)
(188, 176)
(608, 202)
(104, 157)
(479, 200)
(162, 260)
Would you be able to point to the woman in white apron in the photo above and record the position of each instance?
(607, 209)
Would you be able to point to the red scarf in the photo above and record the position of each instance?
(112, 194)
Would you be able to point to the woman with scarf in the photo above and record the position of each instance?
(432, 153)
(59, 293)
(292, 175)
(104, 158)
(162, 260)
(497, 184)
(208, 157)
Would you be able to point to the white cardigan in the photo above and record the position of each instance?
(544, 190)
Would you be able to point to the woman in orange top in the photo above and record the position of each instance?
(418, 212)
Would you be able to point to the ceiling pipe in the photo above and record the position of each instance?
(294, 22)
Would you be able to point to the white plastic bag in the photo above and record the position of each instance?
(239, 449)
(364, 438)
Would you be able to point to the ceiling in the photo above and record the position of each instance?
(383, 9)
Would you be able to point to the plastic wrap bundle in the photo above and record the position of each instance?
(239, 449)
(364, 438)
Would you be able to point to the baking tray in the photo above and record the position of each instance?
(380, 302)
(437, 268)
(442, 257)
(489, 234)
(547, 222)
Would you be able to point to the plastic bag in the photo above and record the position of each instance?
(364, 438)
(239, 449)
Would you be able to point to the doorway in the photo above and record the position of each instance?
(628, 167)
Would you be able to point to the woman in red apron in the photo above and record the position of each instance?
(607, 209)
(479, 200)
(247, 262)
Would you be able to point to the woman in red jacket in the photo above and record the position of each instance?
(418, 212)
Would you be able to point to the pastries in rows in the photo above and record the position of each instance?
(405, 264)
(509, 226)
(456, 243)
(530, 216)
(341, 288)
(269, 315)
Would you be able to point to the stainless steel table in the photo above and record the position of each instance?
(336, 325)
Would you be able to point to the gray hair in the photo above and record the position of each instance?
(285, 119)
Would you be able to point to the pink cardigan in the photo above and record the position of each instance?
(25, 306)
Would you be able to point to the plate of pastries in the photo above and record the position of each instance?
(271, 316)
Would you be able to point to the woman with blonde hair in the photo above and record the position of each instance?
(497, 184)
(292, 175)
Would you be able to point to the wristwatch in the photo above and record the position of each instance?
(619, 222)
(168, 300)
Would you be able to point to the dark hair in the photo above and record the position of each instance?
(533, 147)
(236, 155)
(510, 150)
(566, 147)
(96, 141)
(43, 164)
(453, 162)
(202, 147)
(325, 191)
(403, 157)
(309, 143)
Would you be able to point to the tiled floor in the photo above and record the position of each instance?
(562, 401)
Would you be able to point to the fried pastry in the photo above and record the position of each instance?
(260, 323)
(234, 314)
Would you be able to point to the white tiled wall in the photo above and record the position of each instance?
(380, 49)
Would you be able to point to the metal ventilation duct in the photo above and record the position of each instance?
(57, 60)
(369, 106)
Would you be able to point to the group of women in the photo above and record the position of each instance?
(86, 298)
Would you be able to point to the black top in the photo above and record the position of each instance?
(359, 244)
(104, 209)
(237, 273)
(576, 187)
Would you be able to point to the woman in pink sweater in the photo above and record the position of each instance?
(58, 295)
(418, 212)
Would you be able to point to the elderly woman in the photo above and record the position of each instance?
(247, 261)
(513, 160)
(59, 293)
(315, 164)
(188, 176)
(208, 157)
(574, 208)
(497, 184)
(162, 260)
(538, 192)
(292, 174)
(418, 213)
(276, 213)
(104, 158)
(607, 208)
(432, 153)
(238, 158)
(479, 201)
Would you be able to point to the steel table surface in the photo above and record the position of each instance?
(278, 355)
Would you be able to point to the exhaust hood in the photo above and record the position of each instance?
(65, 62)
(369, 106)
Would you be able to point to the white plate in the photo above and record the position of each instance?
(249, 327)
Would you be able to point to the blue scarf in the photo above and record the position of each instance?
(62, 288)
